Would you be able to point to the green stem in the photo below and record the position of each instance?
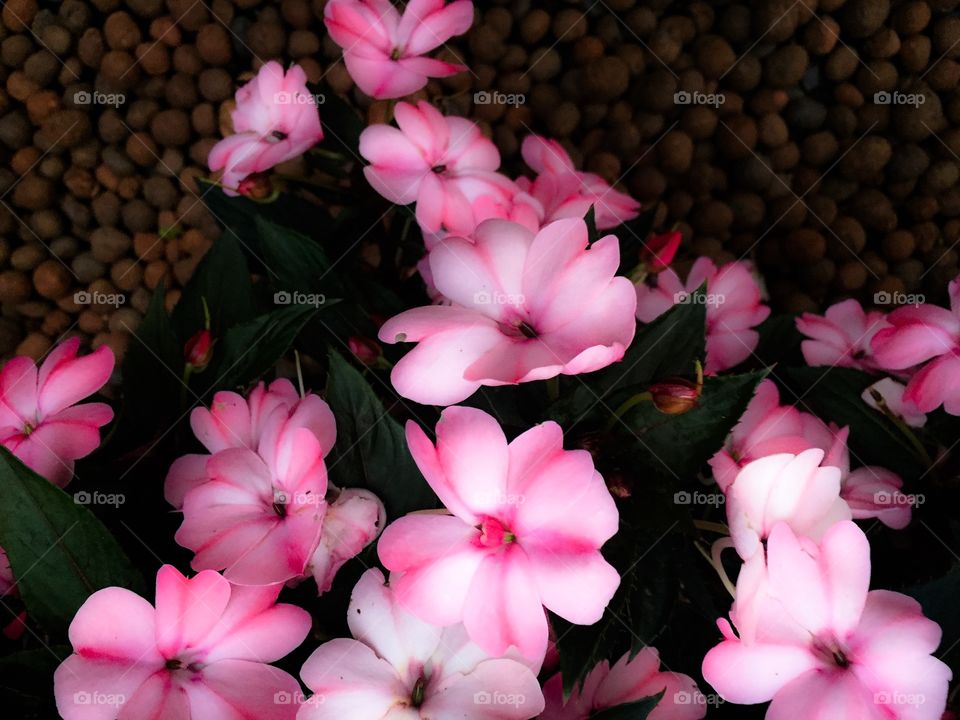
(625, 407)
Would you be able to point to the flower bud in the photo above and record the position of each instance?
(675, 397)
(659, 250)
(255, 187)
(198, 350)
(366, 351)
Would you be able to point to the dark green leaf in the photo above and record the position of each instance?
(939, 600)
(834, 394)
(298, 262)
(341, 125)
(249, 350)
(638, 710)
(679, 445)
(371, 449)
(591, 220)
(152, 369)
(779, 341)
(222, 279)
(237, 215)
(60, 553)
(632, 235)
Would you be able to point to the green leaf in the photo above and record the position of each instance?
(152, 369)
(249, 350)
(591, 220)
(670, 345)
(371, 448)
(834, 394)
(779, 341)
(939, 600)
(60, 553)
(298, 262)
(222, 279)
(679, 445)
(238, 215)
(637, 710)
(632, 235)
(341, 124)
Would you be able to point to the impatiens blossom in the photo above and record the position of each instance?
(523, 307)
(444, 164)
(275, 120)
(200, 655)
(811, 638)
(259, 516)
(892, 396)
(526, 521)
(733, 301)
(383, 50)
(566, 192)
(401, 668)
(783, 488)
(919, 334)
(40, 421)
(626, 682)
(769, 428)
(841, 336)
(259, 506)
(237, 422)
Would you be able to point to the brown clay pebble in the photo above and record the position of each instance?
(51, 279)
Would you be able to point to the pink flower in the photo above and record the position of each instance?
(627, 681)
(528, 519)
(769, 428)
(566, 192)
(40, 422)
(259, 516)
(237, 422)
(841, 337)
(200, 655)
(783, 488)
(814, 641)
(401, 668)
(352, 521)
(919, 334)
(383, 51)
(892, 394)
(444, 164)
(733, 302)
(276, 119)
(874, 492)
(524, 307)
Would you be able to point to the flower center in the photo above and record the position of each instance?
(174, 664)
(830, 652)
(276, 136)
(419, 692)
(28, 428)
(280, 503)
(396, 54)
(494, 533)
(439, 169)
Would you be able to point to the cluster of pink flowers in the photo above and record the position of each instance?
(808, 635)
(258, 505)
